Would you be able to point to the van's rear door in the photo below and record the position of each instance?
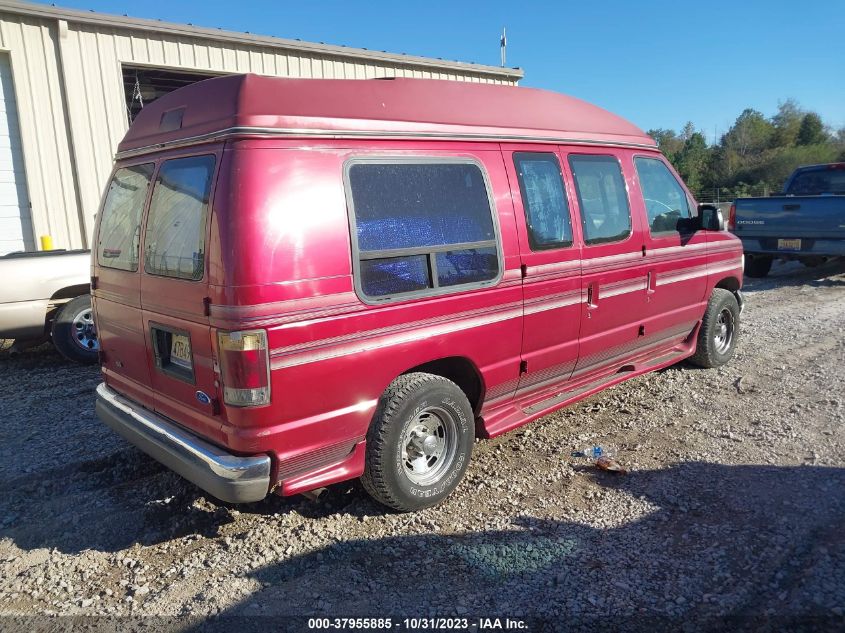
(117, 282)
(174, 289)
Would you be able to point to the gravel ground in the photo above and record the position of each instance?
(733, 508)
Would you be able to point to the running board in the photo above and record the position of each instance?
(667, 358)
(628, 368)
(566, 395)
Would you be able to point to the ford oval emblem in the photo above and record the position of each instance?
(203, 397)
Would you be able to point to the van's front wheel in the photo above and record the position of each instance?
(419, 443)
(719, 330)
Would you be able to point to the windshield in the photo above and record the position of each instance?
(818, 181)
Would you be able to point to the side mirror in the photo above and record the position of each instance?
(711, 217)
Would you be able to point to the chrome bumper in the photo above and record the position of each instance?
(221, 474)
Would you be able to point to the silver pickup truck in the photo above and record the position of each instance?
(47, 294)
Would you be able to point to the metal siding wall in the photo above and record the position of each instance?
(90, 57)
(31, 43)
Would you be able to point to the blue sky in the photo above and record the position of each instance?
(658, 63)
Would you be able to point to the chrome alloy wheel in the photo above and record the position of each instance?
(84, 331)
(429, 445)
(724, 335)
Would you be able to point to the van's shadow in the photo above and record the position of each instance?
(109, 504)
(761, 545)
(692, 541)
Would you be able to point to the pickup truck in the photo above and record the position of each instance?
(47, 294)
(806, 223)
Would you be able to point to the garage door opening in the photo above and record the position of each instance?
(15, 216)
(142, 86)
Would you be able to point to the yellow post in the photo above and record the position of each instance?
(46, 243)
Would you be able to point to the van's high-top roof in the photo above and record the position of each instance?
(385, 108)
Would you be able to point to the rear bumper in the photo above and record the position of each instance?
(810, 247)
(221, 474)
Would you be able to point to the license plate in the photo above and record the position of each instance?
(180, 351)
(789, 245)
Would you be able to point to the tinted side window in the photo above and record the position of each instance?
(544, 199)
(120, 226)
(174, 244)
(421, 226)
(602, 197)
(665, 200)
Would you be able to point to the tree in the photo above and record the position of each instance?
(667, 141)
(787, 122)
(692, 161)
(811, 131)
(750, 134)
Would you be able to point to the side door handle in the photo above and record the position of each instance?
(791, 207)
(651, 283)
(593, 296)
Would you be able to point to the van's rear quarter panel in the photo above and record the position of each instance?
(281, 259)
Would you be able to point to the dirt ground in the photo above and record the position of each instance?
(733, 511)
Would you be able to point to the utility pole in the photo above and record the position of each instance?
(503, 43)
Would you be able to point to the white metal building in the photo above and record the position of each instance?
(70, 81)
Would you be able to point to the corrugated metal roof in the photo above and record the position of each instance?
(187, 30)
(398, 108)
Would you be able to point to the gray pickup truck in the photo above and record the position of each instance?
(806, 223)
(46, 294)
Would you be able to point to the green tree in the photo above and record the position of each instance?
(750, 134)
(787, 122)
(667, 141)
(811, 131)
(692, 161)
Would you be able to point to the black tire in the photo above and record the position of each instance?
(757, 265)
(719, 330)
(411, 411)
(74, 333)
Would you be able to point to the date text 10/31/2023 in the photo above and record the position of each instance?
(419, 624)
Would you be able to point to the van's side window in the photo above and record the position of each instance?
(120, 225)
(602, 197)
(174, 244)
(665, 200)
(544, 199)
(421, 225)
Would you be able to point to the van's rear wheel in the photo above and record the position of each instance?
(74, 332)
(758, 265)
(719, 330)
(419, 443)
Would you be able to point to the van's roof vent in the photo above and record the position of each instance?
(171, 120)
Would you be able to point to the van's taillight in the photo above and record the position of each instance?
(245, 367)
(732, 218)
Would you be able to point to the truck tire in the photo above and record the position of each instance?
(757, 265)
(719, 330)
(74, 333)
(419, 442)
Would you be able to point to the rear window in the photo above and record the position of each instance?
(602, 196)
(421, 226)
(174, 243)
(120, 224)
(816, 182)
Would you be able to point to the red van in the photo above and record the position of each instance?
(299, 282)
